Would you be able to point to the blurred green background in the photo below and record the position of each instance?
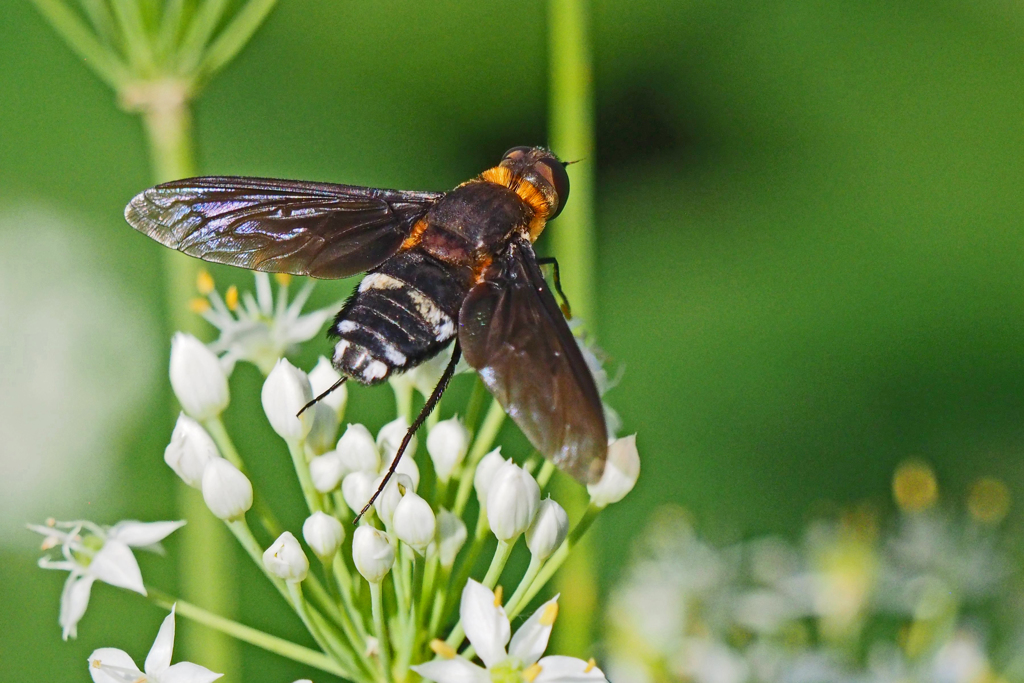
(810, 254)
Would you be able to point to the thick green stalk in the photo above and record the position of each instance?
(574, 243)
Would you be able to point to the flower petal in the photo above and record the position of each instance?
(530, 641)
(159, 657)
(559, 669)
(457, 670)
(74, 600)
(485, 623)
(187, 672)
(111, 657)
(140, 534)
(115, 564)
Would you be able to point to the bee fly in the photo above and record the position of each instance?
(447, 266)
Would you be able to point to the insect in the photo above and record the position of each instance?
(455, 267)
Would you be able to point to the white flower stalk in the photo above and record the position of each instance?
(263, 328)
(111, 665)
(488, 629)
(414, 522)
(389, 439)
(549, 529)
(285, 392)
(621, 471)
(447, 444)
(324, 534)
(322, 377)
(227, 492)
(358, 450)
(190, 450)
(451, 536)
(372, 553)
(285, 559)
(326, 471)
(93, 553)
(484, 475)
(512, 501)
(198, 380)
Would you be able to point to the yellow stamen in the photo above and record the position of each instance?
(49, 542)
(50, 521)
(497, 596)
(531, 673)
(198, 305)
(283, 279)
(989, 500)
(204, 282)
(231, 298)
(549, 615)
(590, 665)
(914, 487)
(96, 663)
(442, 649)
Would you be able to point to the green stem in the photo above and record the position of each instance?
(216, 429)
(546, 470)
(380, 628)
(309, 491)
(319, 629)
(524, 584)
(248, 634)
(453, 590)
(481, 444)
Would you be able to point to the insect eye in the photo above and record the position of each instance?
(517, 151)
(554, 173)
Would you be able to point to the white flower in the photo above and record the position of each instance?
(356, 489)
(620, 473)
(321, 378)
(414, 521)
(101, 554)
(110, 665)
(324, 432)
(548, 530)
(190, 450)
(484, 475)
(372, 553)
(197, 378)
(447, 444)
(451, 536)
(326, 471)
(323, 533)
(488, 630)
(425, 376)
(285, 392)
(261, 329)
(389, 439)
(357, 449)
(390, 496)
(227, 492)
(512, 501)
(285, 559)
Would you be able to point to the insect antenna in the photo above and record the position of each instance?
(428, 408)
(322, 396)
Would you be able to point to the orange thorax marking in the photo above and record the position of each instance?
(415, 236)
(527, 191)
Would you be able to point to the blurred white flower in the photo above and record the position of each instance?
(451, 535)
(358, 450)
(226, 490)
(548, 530)
(190, 450)
(111, 665)
(263, 328)
(512, 501)
(285, 392)
(389, 440)
(621, 471)
(96, 553)
(447, 443)
(484, 475)
(327, 471)
(322, 377)
(197, 377)
(488, 630)
(324, 534)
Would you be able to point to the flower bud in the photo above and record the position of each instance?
(451, 535)
(323, 533)
(190, 450)
(326, 471)
(285, 559)
(324, 432)
(197, 378)
(389, 439)
(356, 489)
(358, 450)
(485, 471)
(285, 392)
(372, 553)
(548, 530)
(512, 501)
(390, 496)
(620, 473)
(323, 377)
(447, 444)
(414, 521)
(227, 492)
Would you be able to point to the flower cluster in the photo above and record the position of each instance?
(398, 594)
(933, 597)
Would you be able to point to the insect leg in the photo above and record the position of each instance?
(322, 396)
(428, 408)
(553, 262)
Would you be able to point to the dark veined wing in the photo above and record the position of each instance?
(280, 226)
(512, 331)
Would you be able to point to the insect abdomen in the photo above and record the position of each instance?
(403, 313)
